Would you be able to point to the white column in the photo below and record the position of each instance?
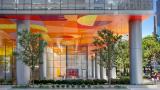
(92, 66)
(87, 62)
(101, 69)
(96, 67)
(113, 73)
(67, 59)
(104, 73)
(22, 70)
(135, 38)
(98, 71)
(43, 66)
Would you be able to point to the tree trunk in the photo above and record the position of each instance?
(30, 82)
(108, 73)
(32, 76)
(109, 78)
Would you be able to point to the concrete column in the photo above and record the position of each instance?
(86, 62)
(104, 73)
(96, 74)
(101, 69)
(92, 66)
(113, 73)
(135, 41)
(67, 58)
(43, 66)
(22, 70)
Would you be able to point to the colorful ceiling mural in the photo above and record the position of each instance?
(66, 29)
(66, 26)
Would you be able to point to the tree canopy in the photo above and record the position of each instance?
(105, 46)
(122, 56)
(151, 49)
(30, 47)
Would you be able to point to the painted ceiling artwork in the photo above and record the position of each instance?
(64, 30)
(65, 26)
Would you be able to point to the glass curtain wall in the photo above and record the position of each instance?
(68, 63)
(7, 61)
(158, 17)
(77, 4)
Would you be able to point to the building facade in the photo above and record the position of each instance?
(158, 16)
(69, 27)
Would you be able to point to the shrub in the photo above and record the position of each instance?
(73, 86)
(72, 82)
(1, 81)
(83, 85)
(63, 86)
(53, 86)
(67, 86)
(122, 80)
(89, 86)
(5, 82)
(57, 86)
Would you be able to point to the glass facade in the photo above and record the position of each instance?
(76, 4)
(61, 63)
(64, 61)
(67, 62)
(158, 17)
(7, 61)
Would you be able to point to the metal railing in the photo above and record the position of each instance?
(76, 4)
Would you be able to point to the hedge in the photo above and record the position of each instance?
(72, 82)
(122, 80)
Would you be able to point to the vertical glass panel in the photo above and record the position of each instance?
(91, 4)
(6, 50)
(132, 3)
(83, 63)
(65, 4)
(82, 4)
(122, 4)
(57, 64)
(20, 4)
(114, 4)
(1, 4)
(139, 5)
(148, 4)
(8, 4)
(63, 64)
(97, 4)
(24, 4)
(107, 5)
(2, 70)
(63, 73)
(39, 4)
(72, 4)
(53, 4)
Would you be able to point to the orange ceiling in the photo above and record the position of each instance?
(67, 28)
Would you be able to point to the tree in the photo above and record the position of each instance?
(151, 49)
(122, 56)
(30, 49)
(105, 43)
